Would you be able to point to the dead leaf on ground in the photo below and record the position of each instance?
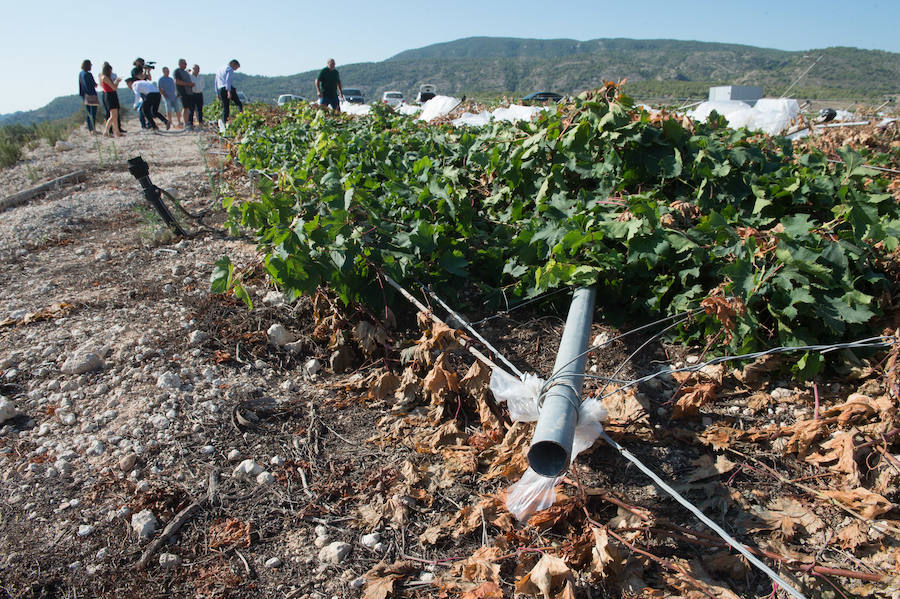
(606, 559)
(785, 515)
(692, 398)
(386, 384)
(548, 574)
(480, 566)
(862, 501)
(476, 384)
(803, 434)
(857, 407)
(381, 578)
(229, 532)
(440, 383)
(487, 590)
(853, 535)
(369, 336)
(841, 450)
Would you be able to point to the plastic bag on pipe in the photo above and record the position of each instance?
(530, 495)
(520, 396)
(533, 492)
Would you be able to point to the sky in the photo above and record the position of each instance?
(43, 42)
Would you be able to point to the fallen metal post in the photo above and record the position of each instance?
(551, 446)
(141, 171)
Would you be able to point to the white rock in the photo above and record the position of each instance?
(81, 362)
(357, 583)
(7, 410)
(68, 418)
(370, 540)
(168, 380)
(142, 487)
(234, 455)
(277, 460)
(168, 561)
(144, 523)
(321, 530)
(426, 577)
(279, 336)
(320, 542)
(160, 422)
(334, 553)
(198, 337)
(102, 553)
(86, 529)
(312, 366)
(601, 339)
(274, 298)
(274, 562)
(265, 478)
(207, 450)
(247, 469)
(96, 448)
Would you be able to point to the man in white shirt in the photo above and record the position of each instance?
(226, 90)
(151, 96)
(197, 104)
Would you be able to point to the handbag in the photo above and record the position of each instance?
(91, 100)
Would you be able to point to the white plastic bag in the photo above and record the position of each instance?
(590, 415)
(530, 495)
(520, 396)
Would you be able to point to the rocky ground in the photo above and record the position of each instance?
(160, 441)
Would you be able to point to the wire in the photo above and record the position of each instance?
(469, 328)
(703, 518)
(685, 316)
(871, 342)
(522, 304)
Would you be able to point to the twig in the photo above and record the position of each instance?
(303, 481)
(246, 564)
(180, 519)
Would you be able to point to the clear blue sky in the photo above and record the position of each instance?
(42, 42)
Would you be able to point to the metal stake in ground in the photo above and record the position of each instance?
(551, 446)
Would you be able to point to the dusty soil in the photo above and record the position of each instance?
(137, 390)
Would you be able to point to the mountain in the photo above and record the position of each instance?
(491, 66)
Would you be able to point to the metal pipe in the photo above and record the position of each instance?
(551, 446)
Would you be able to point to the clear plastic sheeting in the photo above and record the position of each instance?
(409, 109)
(533, 492)
(770, 115)
(438, 106)
(353, 108)
(512, 114)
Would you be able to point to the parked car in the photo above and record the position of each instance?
(392, 97)
(426, 92)
(288, 98)
(542, 97)
(354, 95)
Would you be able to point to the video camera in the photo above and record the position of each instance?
(149, 65)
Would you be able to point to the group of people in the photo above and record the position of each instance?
(181, 95)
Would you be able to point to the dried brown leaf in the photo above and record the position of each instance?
(386, 384)
(549, 573)
(480, 566)
(866, 503)
(693, 398)
(784, 515)
(803, 434)
(606, 560)
(841, 452)
(487, 590)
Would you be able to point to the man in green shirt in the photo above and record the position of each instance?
(328, 86)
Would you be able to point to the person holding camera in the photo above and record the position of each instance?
(140, 71)
(151, 97)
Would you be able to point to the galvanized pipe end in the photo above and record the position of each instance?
(548, 458)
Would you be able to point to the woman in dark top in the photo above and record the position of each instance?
(87, 89)
(108, 85)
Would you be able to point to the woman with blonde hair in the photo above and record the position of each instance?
(109, 85)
